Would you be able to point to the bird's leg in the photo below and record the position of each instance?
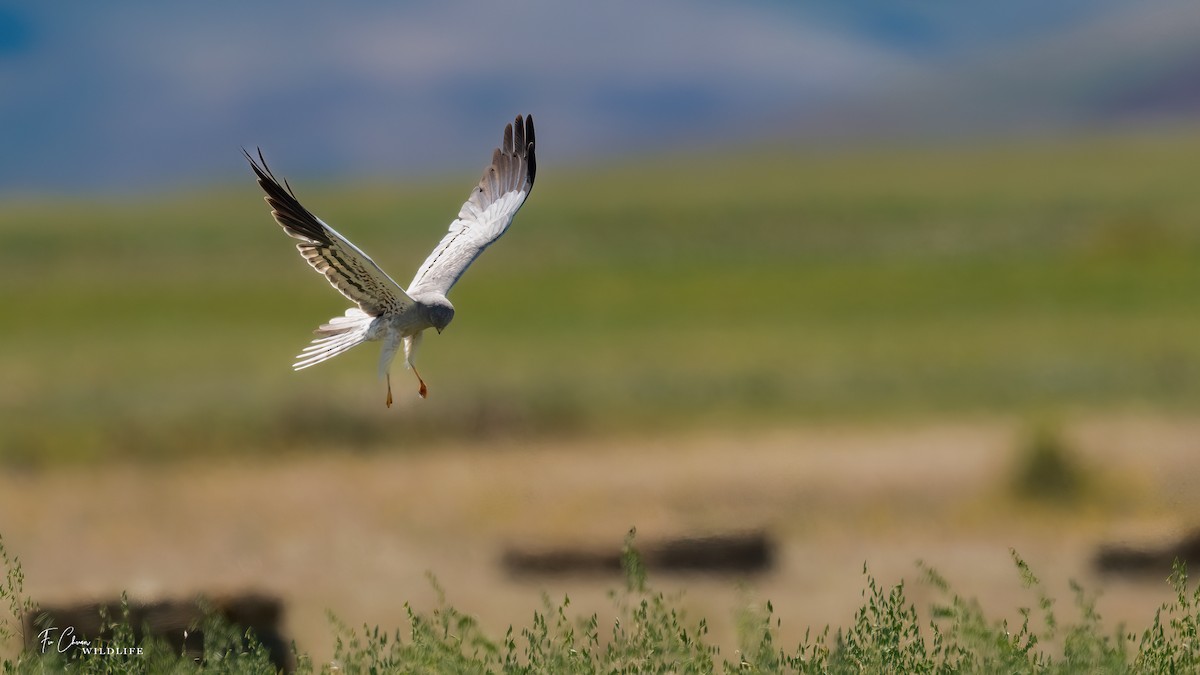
(423, 391)
(389, 396)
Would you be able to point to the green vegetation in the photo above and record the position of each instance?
(649, 635)
(762, 286)
(1047, 469)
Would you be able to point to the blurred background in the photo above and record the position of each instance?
(883, 281)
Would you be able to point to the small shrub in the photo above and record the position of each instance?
(12, 594)
(1172, 642)
(1047, 470)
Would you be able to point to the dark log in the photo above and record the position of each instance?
(738, 553)
(1141, 561)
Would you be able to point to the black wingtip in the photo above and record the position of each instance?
(298, 221)
(530, 147)
(260, 167)
(264, 172)
(519, 142)
(249, 157)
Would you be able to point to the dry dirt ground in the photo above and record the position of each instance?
(356, 534)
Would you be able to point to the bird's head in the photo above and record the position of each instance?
(439, 314)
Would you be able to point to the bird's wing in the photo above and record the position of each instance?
(346, 267)
(486, 214)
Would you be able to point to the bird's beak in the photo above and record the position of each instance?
(439, 331)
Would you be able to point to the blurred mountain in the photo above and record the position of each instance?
(1132, 65)
(132, 96)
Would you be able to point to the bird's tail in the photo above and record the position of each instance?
(338, 335)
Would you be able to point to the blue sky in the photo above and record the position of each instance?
(140, 96)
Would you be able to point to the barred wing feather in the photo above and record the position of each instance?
(347, 268)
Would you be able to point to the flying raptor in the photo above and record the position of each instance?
(385, 311)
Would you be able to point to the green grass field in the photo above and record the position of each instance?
(763, 286)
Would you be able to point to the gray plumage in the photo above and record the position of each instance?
(385, 311)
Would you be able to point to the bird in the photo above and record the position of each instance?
(385, 311)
